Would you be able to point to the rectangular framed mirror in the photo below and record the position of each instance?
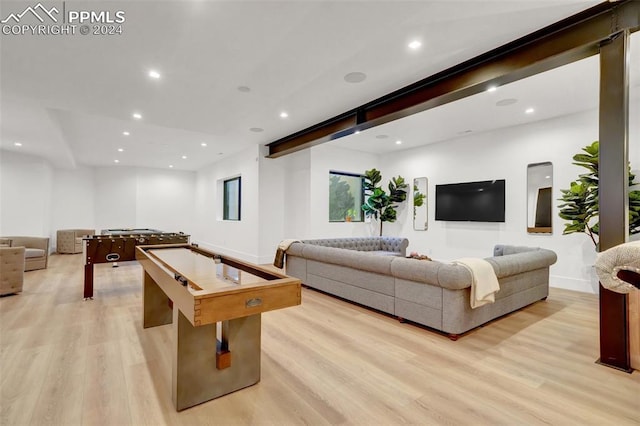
(539, 198)
(420, 204)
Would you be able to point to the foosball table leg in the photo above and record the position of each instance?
(88, 282)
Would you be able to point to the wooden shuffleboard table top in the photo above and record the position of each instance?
(203, 273)
(206, 291)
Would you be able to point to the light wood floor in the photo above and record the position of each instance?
(64, 361)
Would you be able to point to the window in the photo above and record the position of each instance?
(345, 197)
(232, 188)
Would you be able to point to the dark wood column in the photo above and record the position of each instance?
(613, 191)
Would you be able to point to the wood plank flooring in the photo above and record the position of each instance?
(64, 361)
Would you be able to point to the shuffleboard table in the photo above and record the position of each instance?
(119, 245)
(214, 304)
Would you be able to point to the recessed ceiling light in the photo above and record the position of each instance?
(357, 132)
(17, 144)
(382, 136)
(116, 161)
(126, 133)
(415, 44)
(220, 153)
(492, 89)
(256, 129)
(398, 142)
(120, 150)
(203, 144)
(137, 115)
(244, 89)
(284, 114)
(529, 111)
(547, 177)
(184, 157)
(154, 74)
(355, 77)
(505, 102)
(171, 166)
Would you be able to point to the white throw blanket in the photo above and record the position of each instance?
(484, 283)
(623, 257)
(278, 262)
(284, 244)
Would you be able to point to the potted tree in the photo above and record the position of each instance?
(378, 203)
(580, 202)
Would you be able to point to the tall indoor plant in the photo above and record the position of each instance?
(580, 202)
(378, 203)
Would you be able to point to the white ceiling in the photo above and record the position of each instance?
(69, 98)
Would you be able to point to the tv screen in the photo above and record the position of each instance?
(471, 201)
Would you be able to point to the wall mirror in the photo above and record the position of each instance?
(420, 204)
(539, 201)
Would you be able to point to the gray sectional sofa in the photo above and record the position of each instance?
(431, 293)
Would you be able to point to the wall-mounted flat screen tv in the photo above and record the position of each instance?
(471, 201)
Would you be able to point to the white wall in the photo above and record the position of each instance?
(297, 194)
(235, 238)
(135, 197)
(25, 195)
(115, 197)
(503, 154)
(73, 200)
(271, 205)
(37, 199)
(165, 200)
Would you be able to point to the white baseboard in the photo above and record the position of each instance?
(575, 284)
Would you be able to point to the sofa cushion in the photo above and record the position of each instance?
(453, 277)
(516, 263)
(30, 253)
(352, 258)
(5, 242)
(415, 270)
(368, 244)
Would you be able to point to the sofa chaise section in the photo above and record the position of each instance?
(437, 294)
(431, 293)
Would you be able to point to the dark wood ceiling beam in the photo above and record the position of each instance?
(566, 41)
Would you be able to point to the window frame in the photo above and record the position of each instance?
(351, 175)
(225, 199)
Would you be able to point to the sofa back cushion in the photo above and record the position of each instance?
(516, 263)
(375, 244)
(351, 258)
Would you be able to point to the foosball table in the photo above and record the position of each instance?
(119, 245)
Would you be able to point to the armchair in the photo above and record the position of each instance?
(11, 269)
(70, 240)
(36, 253)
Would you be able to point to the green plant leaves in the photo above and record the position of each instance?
(378, 203)
(580, 205)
